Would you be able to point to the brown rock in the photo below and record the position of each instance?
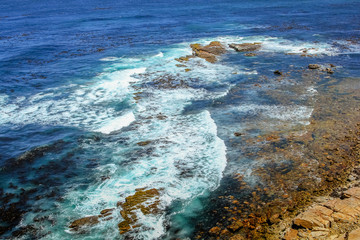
(314, 66)
(105, 211)
(237, 237)
(275, 218)
(208, 52)
(291, 234)
(318, 234)
(237, 134)
(245, 47)
(184, 59)
(144, 143)
(147, 201)
(225, 233)
(236, 225)
(277, 72)
(250, 54)
(340, 237)
(215, 230)
(349, 206)
(341, 217)
(329, 70)
(354, 235)
(84, 222)
(317, 216)
(354, 192)
(124, 227)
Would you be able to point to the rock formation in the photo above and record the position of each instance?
(208, 52)
(245, 47)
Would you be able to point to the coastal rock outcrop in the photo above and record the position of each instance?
(245, 47)
(325, 219)
(144, 200)
(147, 201)
(208, 52)
(89, 221)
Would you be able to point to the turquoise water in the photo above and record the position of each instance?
(78, 92)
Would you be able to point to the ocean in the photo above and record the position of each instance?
(95, 108)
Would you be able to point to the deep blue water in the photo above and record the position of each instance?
(70, 120)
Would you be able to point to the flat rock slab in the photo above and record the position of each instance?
(353, 192)
(354, 235)
(349, 206)
(318, 216)
(245, 47)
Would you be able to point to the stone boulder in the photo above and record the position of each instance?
(245, 47)
(314, 66)
(208, 52)
(318, 216)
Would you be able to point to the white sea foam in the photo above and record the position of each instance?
(117, 123)
(109, 59)
(186, 159)
(159, 55)
(84, 106)
(292, 113)
(311, 90)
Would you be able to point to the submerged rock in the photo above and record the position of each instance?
(183, 59)
(250, 54)
(245, 47)
(91, 220)
(147, 201)
(84, 222)
(277, 72)
(329, 70)
(314, 66)
(237, 134)
(144, 143)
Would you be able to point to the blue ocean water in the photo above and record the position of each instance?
(83, 82)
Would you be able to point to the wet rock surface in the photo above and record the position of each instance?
(144, 200)
(245, 47)
(147, 201)
(208, 52)
(335, 218)
(314, 66)
(308, 166)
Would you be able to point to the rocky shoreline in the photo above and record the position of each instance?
(321, 159)
(309, 177)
